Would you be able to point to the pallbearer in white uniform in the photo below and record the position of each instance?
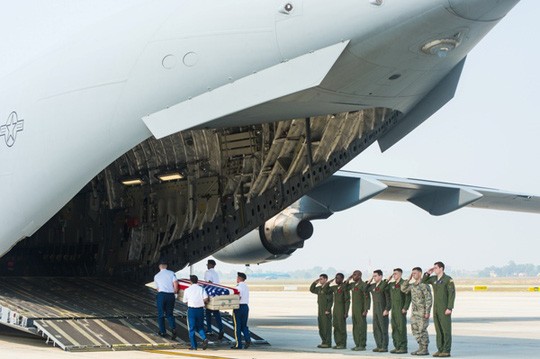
(167, 286)
(241, 314)
(213, 277)
(195, 296)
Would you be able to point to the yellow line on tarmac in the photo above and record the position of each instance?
(182, 354)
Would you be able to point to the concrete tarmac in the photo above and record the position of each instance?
(485, 325)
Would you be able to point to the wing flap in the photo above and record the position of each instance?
(340, 192)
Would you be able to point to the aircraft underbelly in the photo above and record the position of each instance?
(385, 68)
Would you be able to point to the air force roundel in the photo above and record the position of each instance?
(13, 126)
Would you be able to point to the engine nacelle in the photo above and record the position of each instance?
(276, 239)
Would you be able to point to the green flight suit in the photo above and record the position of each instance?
(399, 301)
(324, 301)
(444, 295)
(381, 302)
(360, 305)
(342, 302)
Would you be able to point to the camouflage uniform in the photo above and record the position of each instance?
(360, 304)
(324, 301)
(342, 302)
(381, 302)
(444, 294)
(421, 306)
(400, 301)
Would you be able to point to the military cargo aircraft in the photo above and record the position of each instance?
(147, 129)
(138, 130)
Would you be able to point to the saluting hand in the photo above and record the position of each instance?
(410, 277)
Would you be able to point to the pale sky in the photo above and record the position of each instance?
(488, 135)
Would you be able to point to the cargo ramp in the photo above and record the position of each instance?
(91, 314)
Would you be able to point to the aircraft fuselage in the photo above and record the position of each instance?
(76, 103)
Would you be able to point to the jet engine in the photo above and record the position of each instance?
(277, 239)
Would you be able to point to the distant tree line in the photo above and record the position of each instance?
(511, 270)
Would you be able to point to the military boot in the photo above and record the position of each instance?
(422, 350)
(174, 334)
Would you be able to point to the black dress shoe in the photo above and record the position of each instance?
(205, 344)
(247, 345)
(220, 335)
(235, 347)
(173, 334)
(163, 335)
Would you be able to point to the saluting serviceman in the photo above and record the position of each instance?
(360, 307)
(342, 302)
(421, 308)
(324, 318)
(399, 305)
(381, 307)
(444, 293)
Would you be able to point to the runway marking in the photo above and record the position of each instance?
(166, 352)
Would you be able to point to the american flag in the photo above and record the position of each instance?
(212, 289)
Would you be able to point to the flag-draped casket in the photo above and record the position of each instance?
(221, 297)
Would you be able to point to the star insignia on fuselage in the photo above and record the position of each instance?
(11, 128)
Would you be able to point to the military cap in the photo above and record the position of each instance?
(242, 275)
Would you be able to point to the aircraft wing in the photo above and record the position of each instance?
(346, 189)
